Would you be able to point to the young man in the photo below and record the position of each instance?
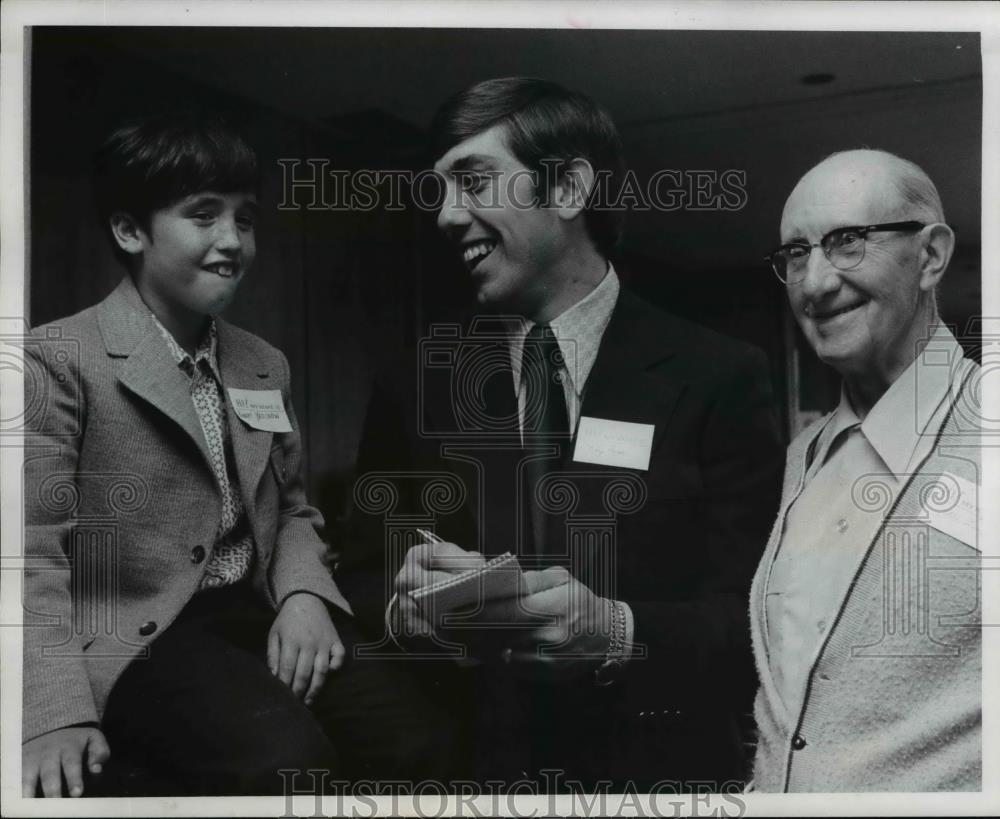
(183, 634)
(627, 658)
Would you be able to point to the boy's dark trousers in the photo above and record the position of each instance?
(204, 715)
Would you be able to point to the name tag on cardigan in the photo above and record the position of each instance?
(260, 409)
(953, 509)
(613, 443)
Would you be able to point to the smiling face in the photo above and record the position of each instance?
(510, 245)
(194, 255)
(865, 322)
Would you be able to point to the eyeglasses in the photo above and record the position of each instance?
(844, 247)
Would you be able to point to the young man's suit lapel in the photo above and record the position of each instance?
(623, 384)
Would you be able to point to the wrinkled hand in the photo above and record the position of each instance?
(427, 563)
(565, 628)
(59, 754)
(303, 645)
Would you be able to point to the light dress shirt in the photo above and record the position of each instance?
(818, 552)
(578, 331)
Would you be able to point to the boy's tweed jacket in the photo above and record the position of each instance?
(121, 506)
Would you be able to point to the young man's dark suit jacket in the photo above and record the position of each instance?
(688, 533)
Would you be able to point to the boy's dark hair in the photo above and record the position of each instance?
(544, 123)
(151, 162)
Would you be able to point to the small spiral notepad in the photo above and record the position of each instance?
(498, 578)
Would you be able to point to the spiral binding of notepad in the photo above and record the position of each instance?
(498, 577)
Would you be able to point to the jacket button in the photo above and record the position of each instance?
(197, 554)
(147, 628)
(798, 743)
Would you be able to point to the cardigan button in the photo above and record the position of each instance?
(197, 554)
(798, 743)
(147, 628)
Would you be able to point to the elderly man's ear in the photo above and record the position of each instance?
(939, 244)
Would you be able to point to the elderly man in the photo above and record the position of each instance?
(864, 609)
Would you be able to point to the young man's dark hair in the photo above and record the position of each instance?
(544, 123)
(150, 162)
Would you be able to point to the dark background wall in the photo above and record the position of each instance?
(339, 291)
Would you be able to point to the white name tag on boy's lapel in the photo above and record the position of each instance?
(956, 517)
(260, 409)
(613, 443)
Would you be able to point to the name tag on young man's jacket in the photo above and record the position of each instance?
(613, 443)
(260, 409)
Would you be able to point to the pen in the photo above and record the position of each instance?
(430, 537)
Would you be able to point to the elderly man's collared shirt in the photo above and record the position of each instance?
(818, 552)
(233, 550)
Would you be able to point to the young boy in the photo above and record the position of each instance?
(181, 631)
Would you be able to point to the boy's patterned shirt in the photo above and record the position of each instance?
(233, 550)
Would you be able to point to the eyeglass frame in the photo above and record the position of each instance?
(864, 230)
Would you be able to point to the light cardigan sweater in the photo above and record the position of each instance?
(894, 700)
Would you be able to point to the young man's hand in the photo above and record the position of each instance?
(424, 565)
(574, 635)
(303, 645)
(59, 754)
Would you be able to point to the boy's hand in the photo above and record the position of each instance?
(303, 645)
(51, 757)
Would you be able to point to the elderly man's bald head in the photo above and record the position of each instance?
(906, 190)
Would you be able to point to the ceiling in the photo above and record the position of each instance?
(684, 100)
(641, 76)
